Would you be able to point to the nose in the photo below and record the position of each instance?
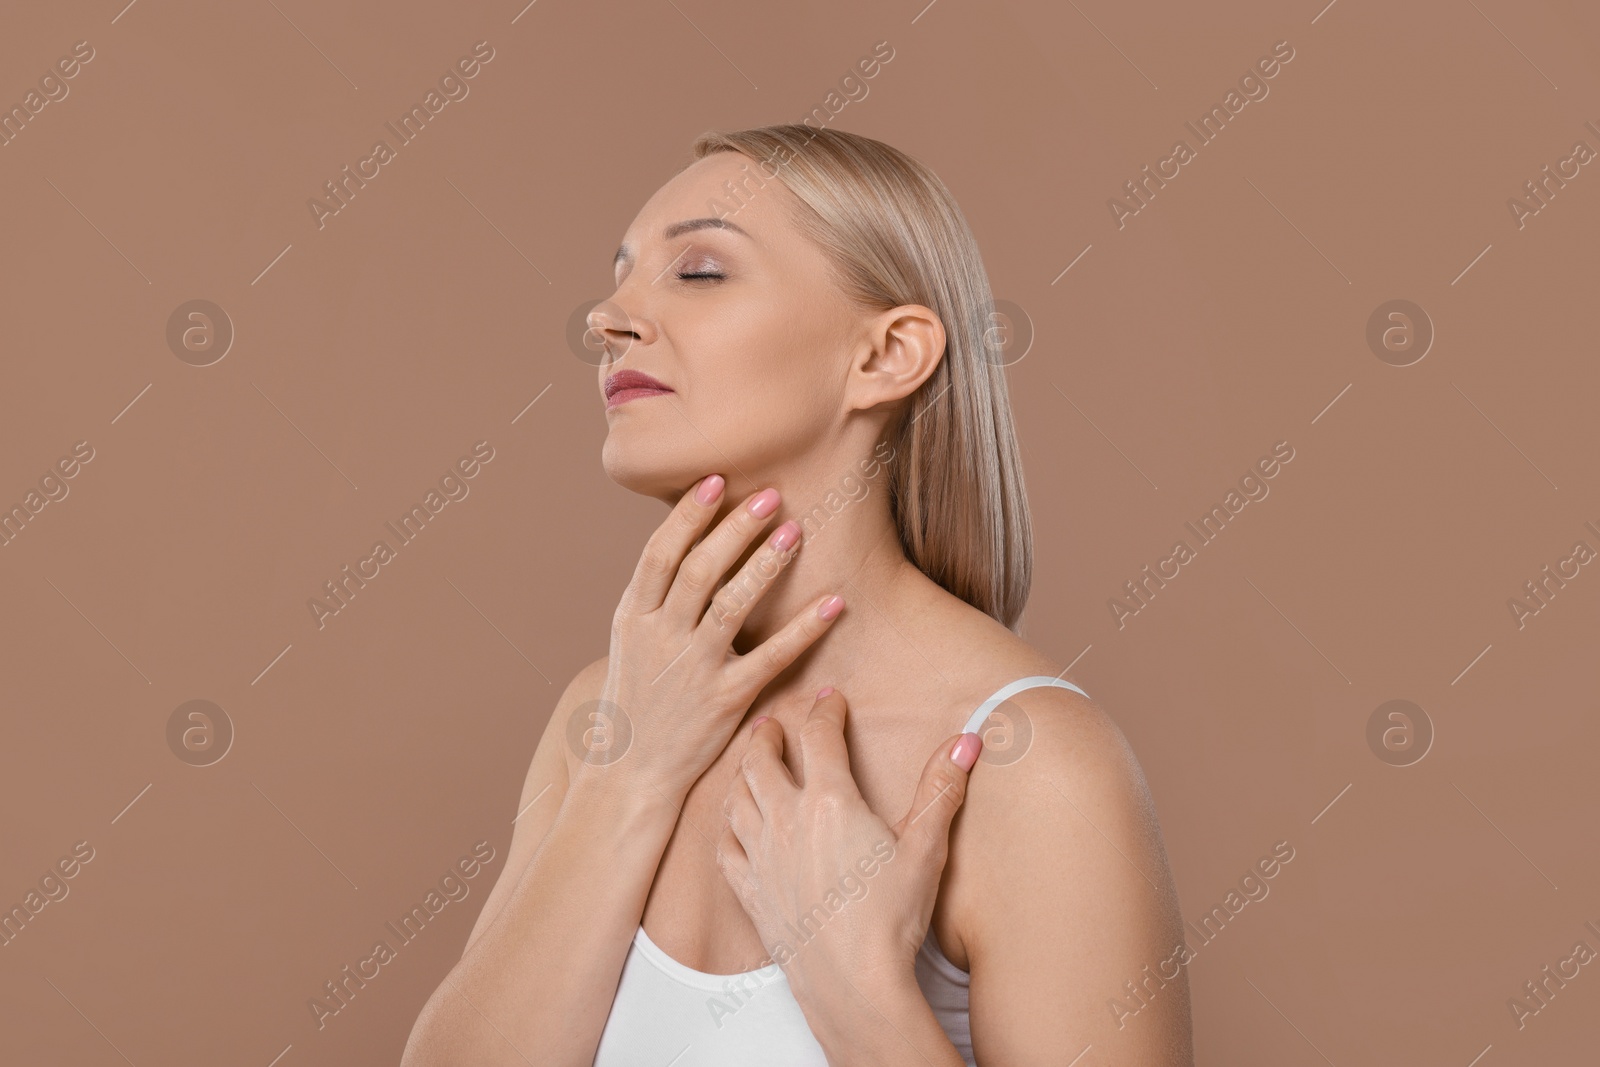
(612, 329)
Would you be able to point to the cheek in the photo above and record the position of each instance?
(756, 423)
(759, 376)
(758, 385)
(775, 402)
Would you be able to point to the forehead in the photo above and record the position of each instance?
(755, 203)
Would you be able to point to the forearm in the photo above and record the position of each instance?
(883, 1024)
(536, 986)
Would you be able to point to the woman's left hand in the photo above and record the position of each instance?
(833, 890)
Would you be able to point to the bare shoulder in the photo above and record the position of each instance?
(1046, 737)
(1049, 751)
(587, 682)
(1039, 734)
(1060, 891)
(1053, 759)
(543, 788)
(552, 760)
(1057, 793)
(583, 688)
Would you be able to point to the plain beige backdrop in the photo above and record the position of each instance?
(371, 351)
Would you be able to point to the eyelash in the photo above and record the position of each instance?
(698, 276)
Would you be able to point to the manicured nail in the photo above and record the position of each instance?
(786, 536)
(709, 489)
(764, 503)
(830, 607)
(965, 752)
(759, 720)
(824, 691)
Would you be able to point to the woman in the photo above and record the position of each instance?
(755, 832)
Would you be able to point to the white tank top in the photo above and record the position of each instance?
(668, 1015)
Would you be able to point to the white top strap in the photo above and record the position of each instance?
(1009, 690)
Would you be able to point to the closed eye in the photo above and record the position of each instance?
(699, 276)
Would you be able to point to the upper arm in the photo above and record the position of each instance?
(1075, 901)
(542, 792)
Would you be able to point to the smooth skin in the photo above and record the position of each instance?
(1045, 877)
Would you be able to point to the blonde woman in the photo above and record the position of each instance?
(760, 830)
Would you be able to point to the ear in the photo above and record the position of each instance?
(900, 350)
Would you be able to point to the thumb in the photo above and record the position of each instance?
(940, 793)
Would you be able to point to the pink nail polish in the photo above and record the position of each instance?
(824, 691)
(830, 607)
(759, 720)
(709, 489)
(786, 536)
(764, 503)
(965, 752)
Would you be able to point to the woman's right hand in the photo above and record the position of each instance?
(675, 691)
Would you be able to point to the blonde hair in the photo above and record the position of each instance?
(894, 235)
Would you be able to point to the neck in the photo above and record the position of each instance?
(848, 546)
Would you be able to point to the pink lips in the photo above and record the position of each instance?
(630, 384)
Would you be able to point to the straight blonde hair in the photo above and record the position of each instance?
(894, 235)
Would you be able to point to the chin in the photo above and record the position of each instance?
(648, 472)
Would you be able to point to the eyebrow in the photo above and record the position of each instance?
(679, 228)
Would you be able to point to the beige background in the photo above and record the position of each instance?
(1228, 315)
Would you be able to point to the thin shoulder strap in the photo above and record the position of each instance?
(1009, 690)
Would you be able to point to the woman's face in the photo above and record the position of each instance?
(739, 319)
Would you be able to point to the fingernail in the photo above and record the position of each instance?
(764, 503)
(709, 489)
(786, 536)
(830, 607)
(965, 752)
(759, 720)
(824, 691)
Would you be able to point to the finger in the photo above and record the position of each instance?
(702, 569)
(738, 596)
(763, 769)
(752, 671)
(733, 862)
(824, 756)
(939, 795)
(742, 814)
(664, 551)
